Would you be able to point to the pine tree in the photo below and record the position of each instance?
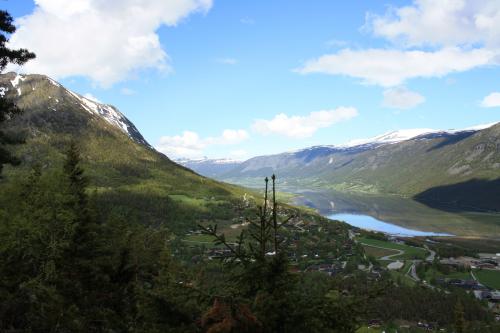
(84, 278)
(18, 57)
(260, 272)
(7, 108)
(459, 318)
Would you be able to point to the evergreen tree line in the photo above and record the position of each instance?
(63, 269)
(66, 267)
(70, 263)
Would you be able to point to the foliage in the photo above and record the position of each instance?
(260, 276)
(7, 55)
(7, 108)
(63, 269)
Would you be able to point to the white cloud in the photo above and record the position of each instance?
(430, 39)
(190, 144)
(303, 126)
(437, 23)
(491, 101)
(91, 97)
(106, 41)
(402, 98)
(227, 61)
(229, 137)
(393, 67)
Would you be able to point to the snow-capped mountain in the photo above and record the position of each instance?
(134, 181)
(408, 134)
(209, 167)
(404, 162)
(390, 137)
(62, 98)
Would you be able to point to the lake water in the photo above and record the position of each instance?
(396, 215)
(370, 223)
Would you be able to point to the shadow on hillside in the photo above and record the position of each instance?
(449, 140)
(475, 195)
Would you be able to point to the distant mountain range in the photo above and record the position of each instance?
(127, 173)
(459, 169)
(456, 169)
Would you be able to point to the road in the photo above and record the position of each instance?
(432, 254)
(400, 252)
(413, 272)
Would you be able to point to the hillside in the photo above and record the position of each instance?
(125, 171)
(210, 167)
(457, 169)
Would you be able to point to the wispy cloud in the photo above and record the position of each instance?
(401, 98)
(190, 144)
(491, 101)
(429, 39)
(303, 126)
(393, 67)
(439, 23)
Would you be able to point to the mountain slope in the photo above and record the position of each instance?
(210, 167)
(136, 180)
(404, 163)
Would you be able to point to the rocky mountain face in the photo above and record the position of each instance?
(41, 94)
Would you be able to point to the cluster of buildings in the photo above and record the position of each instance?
(489, 295)
(329, 269)
(485, 261)
(460, 283)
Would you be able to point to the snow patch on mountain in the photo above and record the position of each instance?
(391, 137)
(409, 134)
(15, 83)
(107, 112)
(207, 160)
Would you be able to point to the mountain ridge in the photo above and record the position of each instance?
(390, 137)
(108, 112)
(137, 182)
(409, 167)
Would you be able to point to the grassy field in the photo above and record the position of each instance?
(410, 251)
(378, 252)
(431, 273)
(402, 276)
(478, 244)
(200, 240)
(490, 278)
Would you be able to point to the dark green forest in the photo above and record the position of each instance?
(66, 268)
(76, 258)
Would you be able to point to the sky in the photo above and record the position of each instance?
(236, 79)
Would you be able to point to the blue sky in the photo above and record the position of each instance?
(236, 79)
